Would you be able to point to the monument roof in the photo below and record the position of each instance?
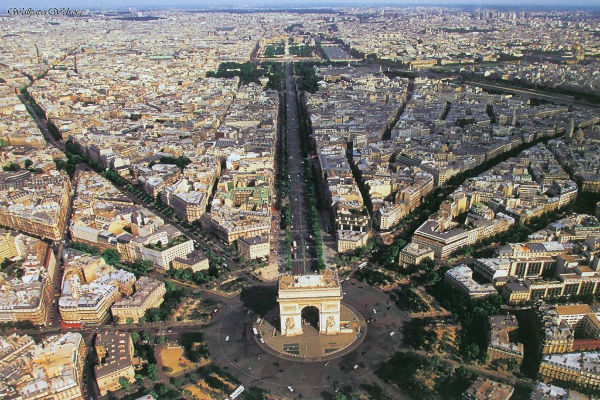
(326, 280)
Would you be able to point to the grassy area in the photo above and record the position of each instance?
(158, 246)
(418, 336)
(302, 50)
(585, 203)
(181, 161)
(358, 254)
(275, 49)
(425, 377)
(196, 309)
(248, 72)
(407, 299)
(174, 361)
(273, 71)
(234, 285)
(189, 275)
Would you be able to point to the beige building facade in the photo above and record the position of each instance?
(149, 293)
(254, 247)
(115, 355)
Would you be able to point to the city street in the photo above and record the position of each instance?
(304, 257)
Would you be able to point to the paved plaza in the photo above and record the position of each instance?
(311, 346)
(233, 345)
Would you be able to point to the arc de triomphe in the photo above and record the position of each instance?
(298, 292)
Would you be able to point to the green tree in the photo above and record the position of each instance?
(11, 167)
(512, 364)
(112, 257)
(255, 393)
(144, 266)
(471, 352)
(124, 383)
(170, 286)
(152, 372)
(146, 336)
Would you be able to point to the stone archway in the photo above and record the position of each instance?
(322, 292)
(310, 316)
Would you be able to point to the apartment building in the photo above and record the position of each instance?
(87, 305)
(461, 277)
(189, 205)
(36, 204)
(389, 214)
(496, 268)
(488, 389)
(163, 255)
(254, 247)
(148, 294)
(554, 334)
(351, 240)
(195, 260)
(413, 254)
(115, 360)
(50, 370)
(229, 227)
(26, 292)
(501, 338)
(581, 368)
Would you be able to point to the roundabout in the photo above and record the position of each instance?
(311, 345)
(234, 346)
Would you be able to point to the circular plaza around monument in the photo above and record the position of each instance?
(349, 361)
(311, 323)
(311, 345)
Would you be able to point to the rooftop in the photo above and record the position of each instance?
(327, 280)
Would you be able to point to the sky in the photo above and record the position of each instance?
(108, 4)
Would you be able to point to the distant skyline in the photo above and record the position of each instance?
(123, 4)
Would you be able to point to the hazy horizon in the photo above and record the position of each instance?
(156, 4)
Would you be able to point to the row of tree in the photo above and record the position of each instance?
(311, 184)
(307, 79)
